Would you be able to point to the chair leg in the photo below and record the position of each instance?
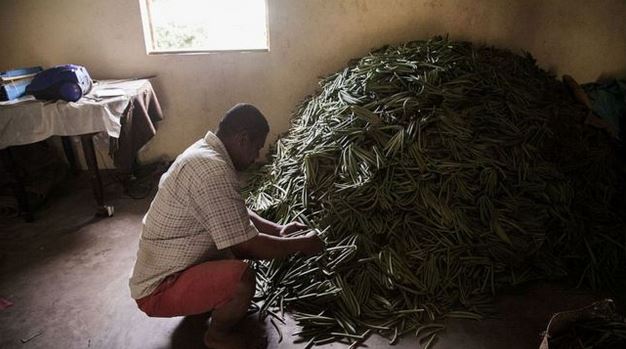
(94, 174)
(68, 149)
(18, 184)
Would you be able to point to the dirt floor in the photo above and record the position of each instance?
(67, 277)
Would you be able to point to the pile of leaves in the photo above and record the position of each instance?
(437, 173)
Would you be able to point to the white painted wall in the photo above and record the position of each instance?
(309, 39)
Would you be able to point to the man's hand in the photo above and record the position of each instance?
(291, 228)
(313, 245)
(264, 246)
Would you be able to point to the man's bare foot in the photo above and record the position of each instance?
(218, 340)
(254, 341)
(235, 340)
(256, 337)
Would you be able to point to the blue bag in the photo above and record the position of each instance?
(68, 82)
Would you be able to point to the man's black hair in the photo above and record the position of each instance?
(243, 117)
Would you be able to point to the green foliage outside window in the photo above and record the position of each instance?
(175, 37)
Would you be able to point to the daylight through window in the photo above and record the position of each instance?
(188, 26)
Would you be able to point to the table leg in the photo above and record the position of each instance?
(68, 149)
(94, 173)
(18, 186)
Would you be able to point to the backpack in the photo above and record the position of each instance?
(68, 82)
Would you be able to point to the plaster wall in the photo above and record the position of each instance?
(308, 39)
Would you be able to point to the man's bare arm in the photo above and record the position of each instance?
(263, 225)
(265, 246)
(270, 228)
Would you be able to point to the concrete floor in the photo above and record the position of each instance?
(67, 276)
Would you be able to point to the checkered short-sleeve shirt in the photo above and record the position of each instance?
(197, 213)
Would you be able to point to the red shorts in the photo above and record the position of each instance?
(198, 289)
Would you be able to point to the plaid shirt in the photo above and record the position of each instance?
(197, 213)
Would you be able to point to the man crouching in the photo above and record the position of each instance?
(198, 231)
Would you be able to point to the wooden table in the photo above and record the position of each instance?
(31, 121)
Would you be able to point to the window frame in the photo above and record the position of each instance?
(150, 44)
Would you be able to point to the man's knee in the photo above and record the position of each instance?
(245, 288)
(248, 278)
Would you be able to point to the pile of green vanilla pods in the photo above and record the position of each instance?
(437, 172)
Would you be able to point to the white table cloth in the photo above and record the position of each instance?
(29, 121)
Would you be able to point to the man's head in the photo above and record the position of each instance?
(243, 130)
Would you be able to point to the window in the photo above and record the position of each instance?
(195, 26)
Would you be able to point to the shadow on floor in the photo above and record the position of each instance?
(189, 333)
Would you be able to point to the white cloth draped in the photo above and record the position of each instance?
(32, 121)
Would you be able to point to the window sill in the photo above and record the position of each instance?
(205, 52)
